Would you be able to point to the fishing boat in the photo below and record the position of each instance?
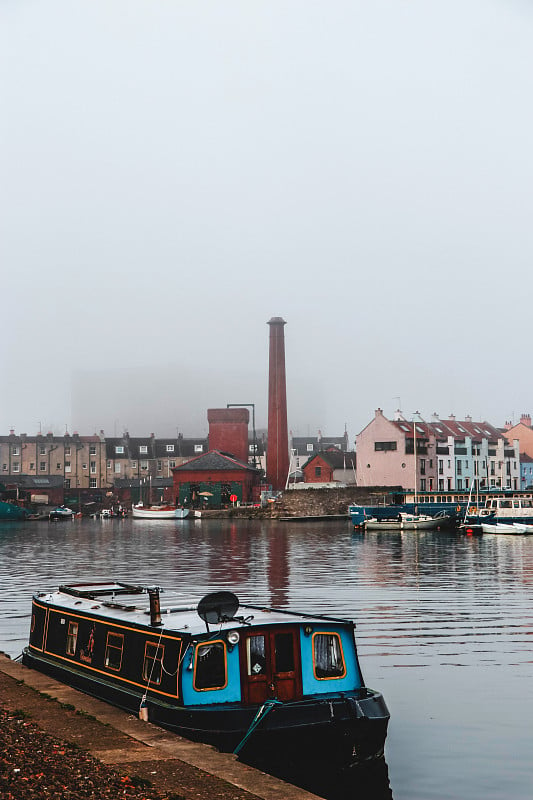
(413, 522)
(141, 511)
(245, 678)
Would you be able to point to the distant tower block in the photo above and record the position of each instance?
(277, 467)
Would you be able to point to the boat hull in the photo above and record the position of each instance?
(408, 524)
(12, 511)
(168, 512)
(515, 529)
(333, 730)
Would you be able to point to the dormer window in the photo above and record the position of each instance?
(119, 449)
(170, 448)
(143, 449)
(310, 447)
(198, 448)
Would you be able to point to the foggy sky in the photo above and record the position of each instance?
(174, 174)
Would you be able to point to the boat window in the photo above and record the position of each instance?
(72, 638)
(255, 655)
(328, 659)
(153, 657)
(516, 504)
(113, 650)
(526, 503)
(210, 666)
(506, 504)
(284, 652)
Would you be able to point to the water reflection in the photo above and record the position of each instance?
(444, 623)
(368, 781)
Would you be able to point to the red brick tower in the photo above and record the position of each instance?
(278, 439)
(228, 431)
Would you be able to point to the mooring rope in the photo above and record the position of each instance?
(267, 706)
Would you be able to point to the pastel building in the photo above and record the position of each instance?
(451, 455)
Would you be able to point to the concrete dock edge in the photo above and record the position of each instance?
(149, 742)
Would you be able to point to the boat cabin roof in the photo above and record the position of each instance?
(117, 601)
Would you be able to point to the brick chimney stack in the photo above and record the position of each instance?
(277, 468)
(525, 419)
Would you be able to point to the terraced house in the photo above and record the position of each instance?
(450, 454)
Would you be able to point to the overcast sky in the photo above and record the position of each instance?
(174, 174)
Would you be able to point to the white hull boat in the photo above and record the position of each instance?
(158, 512)
(515, 528)
(415, 522)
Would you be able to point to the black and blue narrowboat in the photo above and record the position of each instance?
(244, 678)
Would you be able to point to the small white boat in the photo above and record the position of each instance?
(507, 527)
(416, 522)
(141, 511)
(61, 512)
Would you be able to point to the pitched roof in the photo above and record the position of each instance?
(441, 429)
(336, 459)
(213, 461)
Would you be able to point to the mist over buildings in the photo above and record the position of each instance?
(175, 174)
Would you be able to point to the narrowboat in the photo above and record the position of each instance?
(247, 679)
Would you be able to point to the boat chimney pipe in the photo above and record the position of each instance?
(155, 607)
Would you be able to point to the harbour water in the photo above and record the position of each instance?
(444, 625)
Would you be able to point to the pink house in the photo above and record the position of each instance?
(385, 453)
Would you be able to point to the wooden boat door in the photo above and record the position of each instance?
(270, 665)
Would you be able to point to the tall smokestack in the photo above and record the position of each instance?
(277, 466)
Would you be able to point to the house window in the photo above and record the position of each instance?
(32, 465)
(459, 467)
(422, 484)
(144, 464)
(170, 448)
(67, 483)
(113, 650)
(67, 451)
(328, 659)
(171, 463)
(92, 483)
(117, 467)
(93, 466)
(4, 467)
(42, 450)
(198, 448)
(318, 471)
(68, 468)
(16, 467)
(310, 447)
(16, 451)
(72, 638)
(143, 449)
(92, 450)
(441, 484)
(441, 466)
(159, 466)
(42, 466)
(134, 465)
(58, 465)
(119, 449)
(460, 483)
(385, 446)
(422, 466)
(210, 666)
(153, 657)
(109, 464)
(84, 466)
